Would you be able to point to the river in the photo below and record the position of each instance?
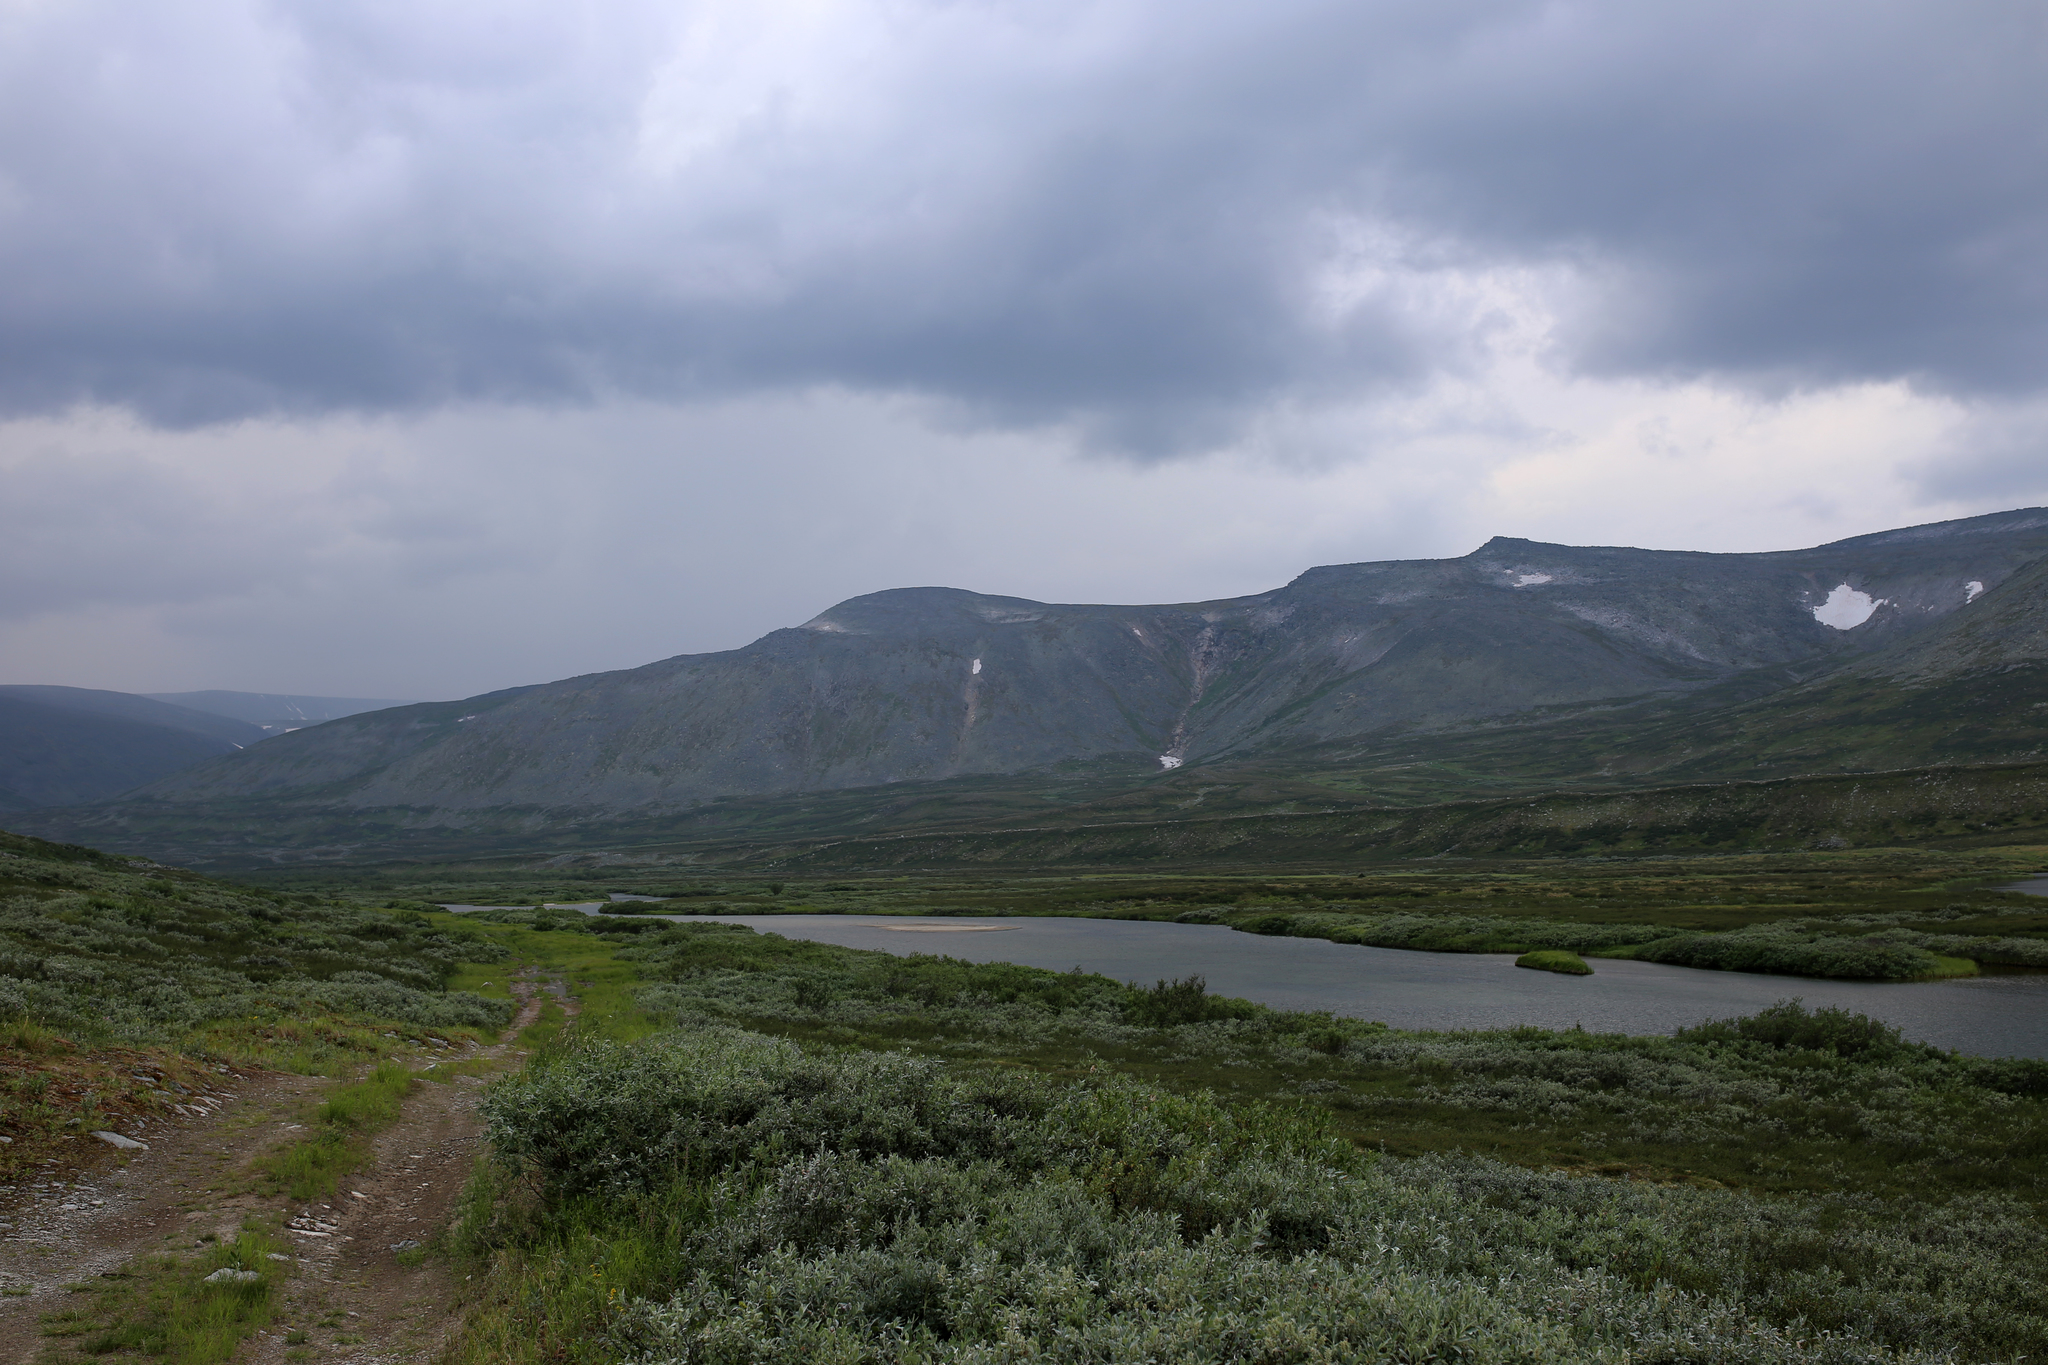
(1997, 1016)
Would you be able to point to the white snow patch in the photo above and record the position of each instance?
(977, 667)
(1846, 608)
(1971, 589)
(460, 719)
(1530, 580)
(1168, 762)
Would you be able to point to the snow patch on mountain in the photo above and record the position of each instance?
(976, 668)
(1846, 608)
(1530, 580)
(1971, 589)
(1168, 762)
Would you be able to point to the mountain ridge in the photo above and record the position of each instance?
(935, 685)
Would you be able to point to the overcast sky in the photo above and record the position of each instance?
(413, 350)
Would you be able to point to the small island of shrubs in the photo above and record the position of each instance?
(1555, 960)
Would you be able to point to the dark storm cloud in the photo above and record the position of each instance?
(1143, 219)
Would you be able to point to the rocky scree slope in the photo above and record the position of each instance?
(930, 683)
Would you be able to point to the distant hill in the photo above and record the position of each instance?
(1521, 666)
(63, 745)
(272, 713)
(233, 733)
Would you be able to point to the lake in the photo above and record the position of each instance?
(1997, 1016)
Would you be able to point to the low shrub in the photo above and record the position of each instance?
(1186, 1001)
(770, 1204)
(1789, 1025)
(94, 948)
(1555, 960)
(1792, 949)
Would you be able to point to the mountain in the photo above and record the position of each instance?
(64, 745)
(1969, 688)
(129, 706)
(1622, 661)
(274, 714)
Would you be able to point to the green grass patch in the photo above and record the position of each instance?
(312, 1167)
(161, 1307)
(547, 1027)
(556, 1275)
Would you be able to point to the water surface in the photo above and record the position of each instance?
(1999, 1016)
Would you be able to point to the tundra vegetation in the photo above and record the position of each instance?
(124, 984)
(752, 1148)
(1892, 914)
(831, 1154)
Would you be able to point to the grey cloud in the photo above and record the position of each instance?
(1998, 452)
(1108, 216)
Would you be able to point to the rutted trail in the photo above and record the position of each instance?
(354, 1295)
(347, 1289)
(102, 1208)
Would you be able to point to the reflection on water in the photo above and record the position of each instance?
(1993, 1016)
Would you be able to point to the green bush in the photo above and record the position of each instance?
(626, 926)
(1555, 960)
(1456, 933)
(1790, 949)
(1186, 1001)
(1868, 947)
(796, 1206)
(1789, 1025)
(1273, 926)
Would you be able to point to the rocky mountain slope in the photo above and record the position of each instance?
(1970, 688)
(927, 684)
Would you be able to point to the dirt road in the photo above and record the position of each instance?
(349, 1290)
